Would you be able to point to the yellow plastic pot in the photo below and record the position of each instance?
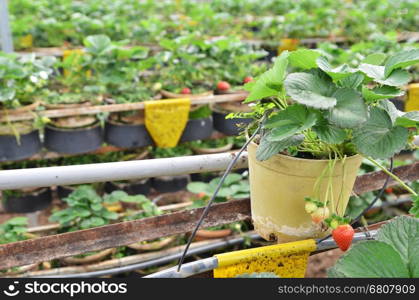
(279, 185)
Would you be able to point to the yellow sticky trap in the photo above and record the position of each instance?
(287, 260)
(288, 44)
(412, 102)
(166, 119)
(26, 41)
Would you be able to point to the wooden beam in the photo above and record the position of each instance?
(375, 180)
(72, 243)
(92, 110)
(125, 233)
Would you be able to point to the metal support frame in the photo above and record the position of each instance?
(6, 40)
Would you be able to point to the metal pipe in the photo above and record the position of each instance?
(204, 265)
(137, 169)
(160, 260)
(6, 40)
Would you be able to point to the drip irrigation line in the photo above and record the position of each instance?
(206, 210)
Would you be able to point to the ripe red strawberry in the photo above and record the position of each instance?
(389, 190)
(320, 214)
(247, 79)
(201, 195)
(343, 236)
(223, 86)
(185, 91)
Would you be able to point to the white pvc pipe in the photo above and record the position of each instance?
(6, 40)
(136, 169)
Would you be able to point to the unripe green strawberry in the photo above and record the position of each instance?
(343, 236)
(334, 224)
(310, 207)
(320, 214)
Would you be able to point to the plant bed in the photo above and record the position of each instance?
(25, 201)
(316, 126)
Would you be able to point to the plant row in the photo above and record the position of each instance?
(48, 23)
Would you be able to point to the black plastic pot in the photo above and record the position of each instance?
(127, 135)
(197, 129)
(131, 188)
(74, 140)
(64, 191)
(10, 150)
(205, 177)
(398, 103)
(28, 202)
(169, 184)
(228, 126)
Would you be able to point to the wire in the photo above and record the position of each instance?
(378, 196)
(206, 210)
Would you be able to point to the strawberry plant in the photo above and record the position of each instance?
(235, 186)
(13, 230)
(23, 79)
(149, 209)
(319, 111)
(85, 210)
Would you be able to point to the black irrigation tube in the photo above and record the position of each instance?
(154, 262)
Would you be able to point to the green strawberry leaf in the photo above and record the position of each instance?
(375, 59)
(311, 90)
(292, 120)
(414, 210)
(401, 60)
(304, 58)
(410, 119)
(196, 187)
(377, 137)
(328, 132)
(350, 110)
(382, 92)
(337, 73)
(391, 109)
(352, 81)
(370, 259)
(267, 149)
(396, 78)
(271, 82)
(402, 233)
